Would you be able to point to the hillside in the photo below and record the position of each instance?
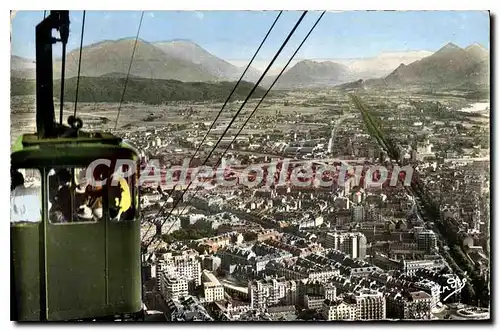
(118, 75)
(448, 67)
(22, 86)
(382, 64)
(356, 85)
(477, 51)
(451, 67)
(17, 62)
(110, 89)
(190, 51)
(149, 62)
(22, 67)
(309, 73)
(179, 60)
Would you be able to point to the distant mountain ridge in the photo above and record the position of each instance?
(22, 68)
(308, 73)
(149, 62)
(449, 66)
(188, 50)
(186, 61)
(17, 62)
(382, 64)
(178, 60)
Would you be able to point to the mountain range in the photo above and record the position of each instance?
(185, 61)
(21, 67)
(308, 73)
(366, 67)
(223, 70)
(175, 60)
(450, 66)
(113, 56)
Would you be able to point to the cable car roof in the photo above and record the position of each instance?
(29, 150)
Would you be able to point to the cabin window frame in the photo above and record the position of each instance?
(133, 186)
(46, 201)
(44, 172)
(40, 194)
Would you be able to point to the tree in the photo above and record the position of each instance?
(250, 236)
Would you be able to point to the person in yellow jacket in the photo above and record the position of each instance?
(121, 200)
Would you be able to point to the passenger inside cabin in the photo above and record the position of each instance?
(120, 199)
(25, 202)
(94, 197)
(60, 197)
(88, 198)
(83, 212)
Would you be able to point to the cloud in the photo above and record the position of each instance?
(151, 14)
(199, 15)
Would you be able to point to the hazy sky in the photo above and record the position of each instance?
(236, 35)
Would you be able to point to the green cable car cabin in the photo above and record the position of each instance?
(75, 232)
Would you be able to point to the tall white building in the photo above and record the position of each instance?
(432, 288)
(370, 305)
(334, 310)
(358, 213)
(173, 288)
(330, 292)
(212, 288)
(352, 243)
(426, 239)
(185, 265)
(271, 291)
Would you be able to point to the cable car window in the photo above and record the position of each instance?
(88, 201)
(122, 196)
(72, 198)
(59, 195)
(25, 196)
